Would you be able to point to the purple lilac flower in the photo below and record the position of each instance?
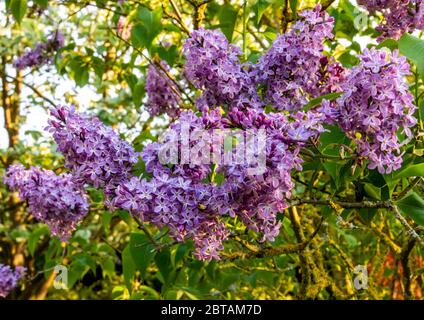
(162, 93)
(9, 279)
(213, 66)
(375, 105)
(257, 199)
(400, 16)
(190, 126)
(175, 203)
(42, 53)
(53, 199)
(176, 197)
(95, 153)
(294, 67)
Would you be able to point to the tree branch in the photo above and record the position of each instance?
(344, 204)
(411, 186)
(158, 65)
(36, 91)
(407, 226)
(272, 251)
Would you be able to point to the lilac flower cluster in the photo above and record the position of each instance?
(400, 16)
(178, 204)
(9, 279)
(257, 199)
(95, 153)
(375, 105)
(42, 53)
(213, 66)
(190, 126)
(293, 68)
(162, 93)
(175, 197)
(53, 199)
(188, 204)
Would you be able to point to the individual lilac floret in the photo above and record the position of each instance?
(375, 105)
(400, 16)
(42, 53)
(161, 92)
(294, 68)
(53, 199)
(9, 279)
(213, 66)
(94, 152)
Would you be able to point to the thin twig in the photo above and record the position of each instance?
(147, 232)
(36, 91)
(178, 17)
(159, 65)
(272, 251)
(258, 39)
(407, 226)
(411, 186)
(344, 204)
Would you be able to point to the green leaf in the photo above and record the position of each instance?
(35, 237)
(348, 60)
(169, 54)
(270, 34)
(227, 20)
(376, 178)
(413, 206)
(108, 267)
(333, 170)
(259, 9)
(81, 264)
(413, 48)
(163, 261)
(106, 219)
(76, 272)
(141, 252)
(138, 92)
(147, 27)
(316, 101)
(367, 214)
(42, 3)
(293, 7)
(140, 141)
(388, 43)
(18, 8)
(372, 191)
(331, 140)
(85, 259)
(416, 170)
(80, 71)
(128, 267)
